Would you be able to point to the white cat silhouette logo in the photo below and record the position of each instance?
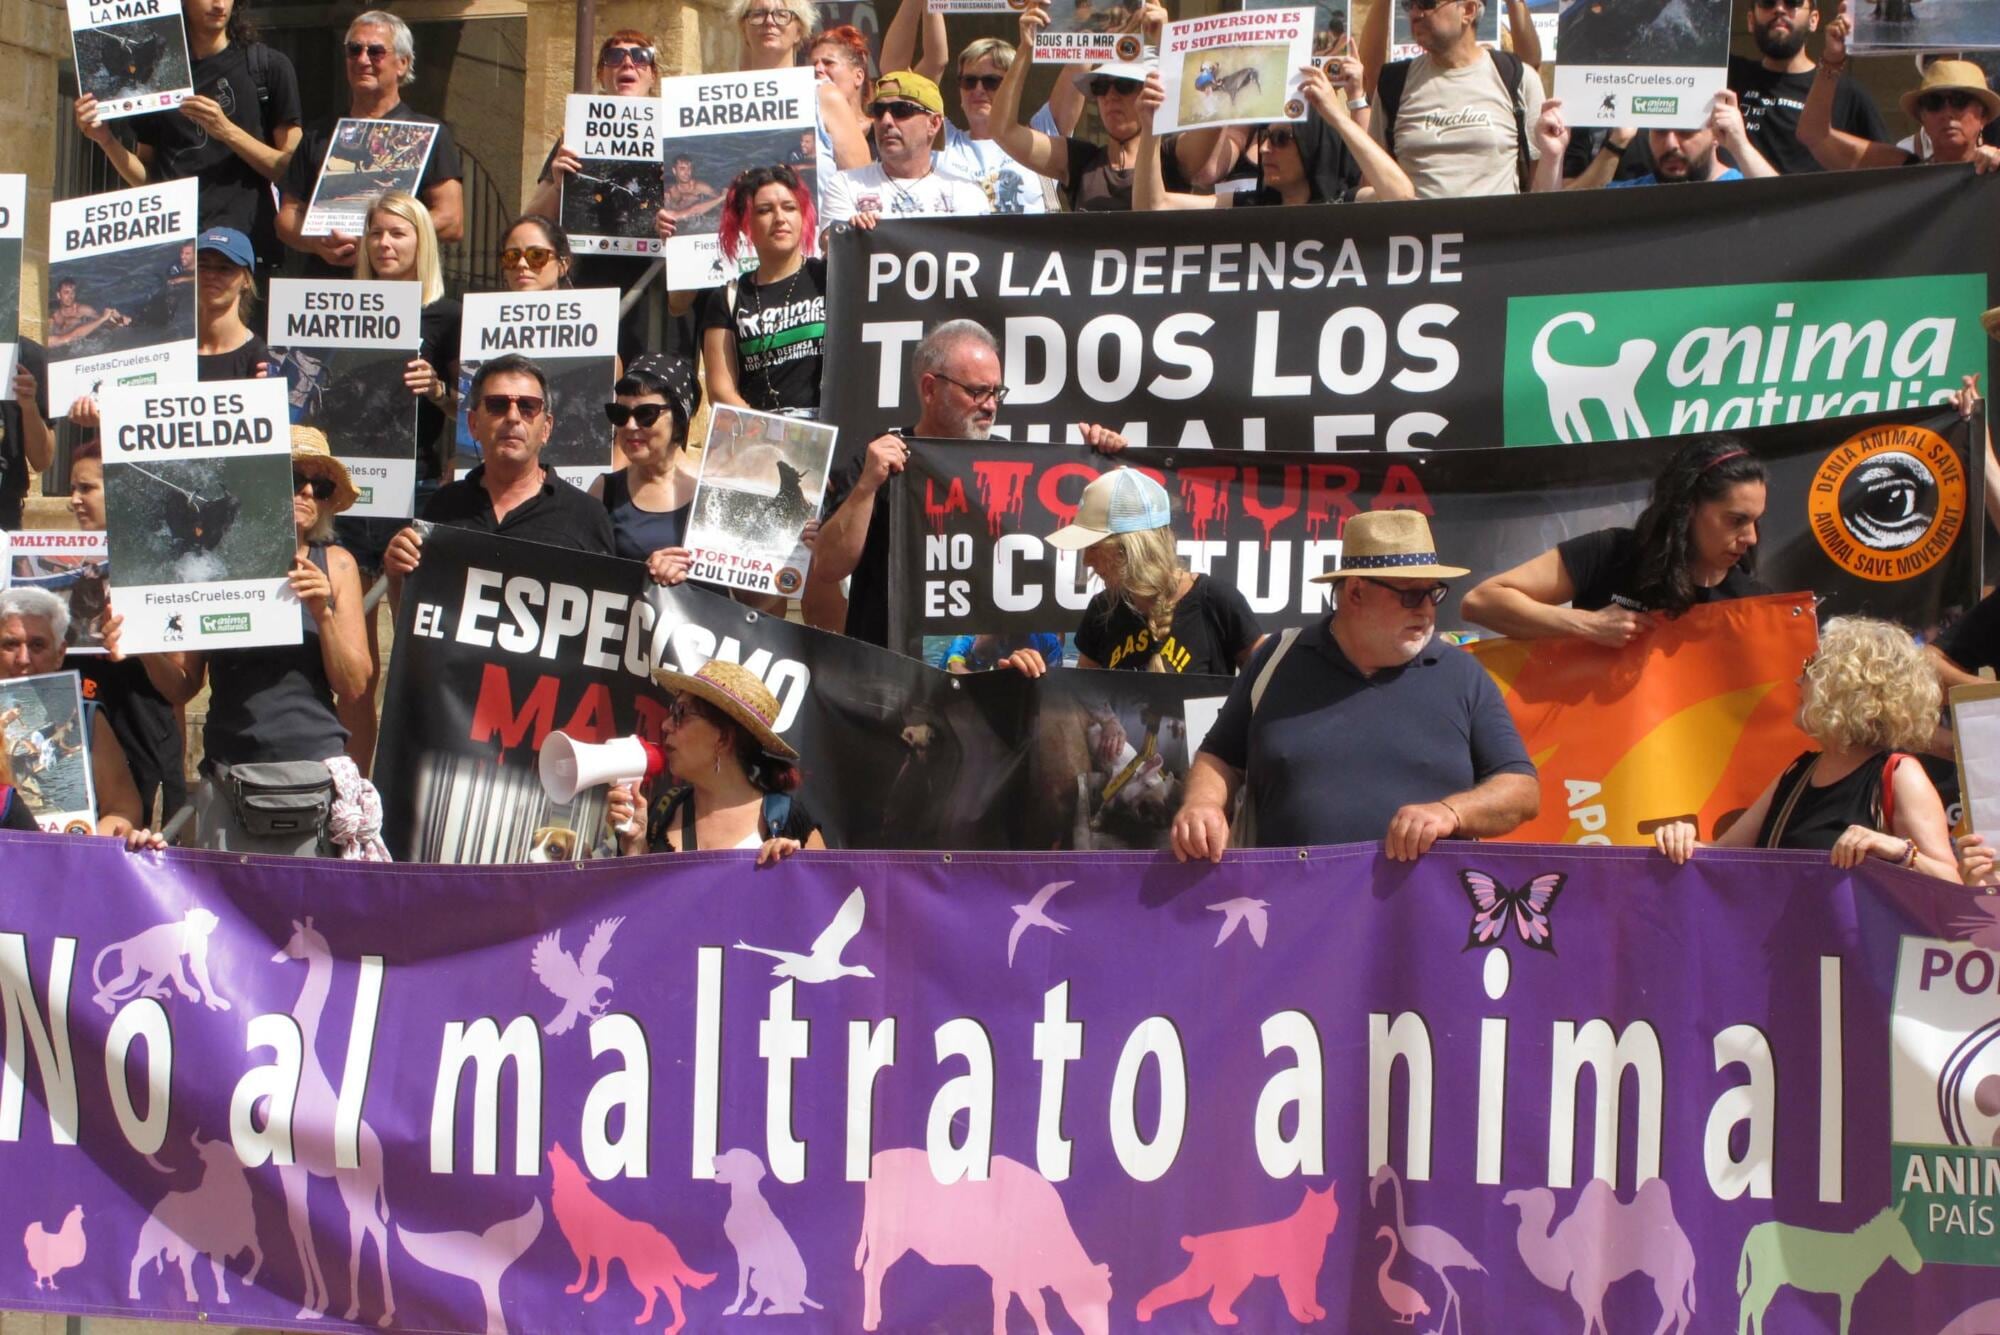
(1615, 386)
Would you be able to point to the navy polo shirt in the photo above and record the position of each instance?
(1332, 755)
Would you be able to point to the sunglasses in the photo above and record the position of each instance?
(1411, 599)
(1796, 6)
(536, 257)
(375, 51)
(898, 109)
(322, 487)
(684, 707)
(1935, 102)
(977, 393)
(771, 18)
(615, 56)
(1280, 138)
(497, 405)
(645, 414)
(1106, 86)
(990, 82)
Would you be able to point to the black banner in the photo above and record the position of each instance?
(1589, 315)
(493, 654)
(1879, 515)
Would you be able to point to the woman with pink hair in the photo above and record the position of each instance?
(761, 336)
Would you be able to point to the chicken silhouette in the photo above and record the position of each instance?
(822, 963)
(49, 1254)
(575, 982)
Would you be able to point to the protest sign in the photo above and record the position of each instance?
(719, 126)
(1331, 21)
(75, 567)
(1087, 32)
(1637, 62)
(131, 55)
(608, 203)
(572, 334)
(1934, 25)
(1877, 515)
(1234, 69)
(47, 736)
(366, 159)
(1403, 47)
(342, 347)
(198, 498)
(13, 233)
(969, 6)
(121, 290)
(762, 479)
(931, 1063)
(1438, 324)
(494, 652)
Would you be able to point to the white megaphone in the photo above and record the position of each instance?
(567, 767)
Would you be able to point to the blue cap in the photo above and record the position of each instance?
(231, 244)
(1123, 500)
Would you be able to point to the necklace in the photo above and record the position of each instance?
(780, 297)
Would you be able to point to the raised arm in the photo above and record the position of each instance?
(1379, 169)
(1727, 122)
(1149, 185)
(1551, 135)
(1373, 43)
(899, 43)
(1039, 153)
(1837, 150)
(1521, 27)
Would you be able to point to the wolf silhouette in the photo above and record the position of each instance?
(600, 1235)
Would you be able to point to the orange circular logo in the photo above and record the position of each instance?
(1889, 503)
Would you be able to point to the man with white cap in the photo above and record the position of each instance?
(1365, 726)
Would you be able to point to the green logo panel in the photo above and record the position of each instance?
(1621, 365)
(225, 623)
(1950, 1201)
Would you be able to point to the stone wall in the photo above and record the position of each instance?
(34, 38)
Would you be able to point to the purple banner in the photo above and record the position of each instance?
(1507, 1088)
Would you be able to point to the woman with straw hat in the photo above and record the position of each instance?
(1953, 104)
(732, 775)
(1154, 615)
(275, 704)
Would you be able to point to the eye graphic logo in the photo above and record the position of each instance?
(1889, 503)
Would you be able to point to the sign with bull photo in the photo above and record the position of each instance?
(609, 201)
(366, 159)
(121, 291)
(131, 55)
(719, 126)
(13, 234)
(762, 479)
(1234, 69)
(75, 567)
(342, 348)
(1641, 62)
(46, 736)
(572, 335)
(198, 497)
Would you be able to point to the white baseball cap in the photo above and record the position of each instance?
(1123, 500)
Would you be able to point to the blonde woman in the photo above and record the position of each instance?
(772, 34)
(1869, 698)
(1154, 614)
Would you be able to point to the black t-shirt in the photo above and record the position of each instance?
(141, 719)
(1605, 565)
(13, 454)
(238, 364)
(561, 516)
(780, 332)
(259, 91)
(1213, 625)
(1772, 102)
(436, 433)
(1330, 168)
(1094, 185)
(302, 176)
(868, 586)
(1974, 642)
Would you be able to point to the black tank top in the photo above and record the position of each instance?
(273, 703)
(1819, 816)
(639, 533)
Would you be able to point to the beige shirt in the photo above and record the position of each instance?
(1455, 128)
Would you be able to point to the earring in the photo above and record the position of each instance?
(718, 762)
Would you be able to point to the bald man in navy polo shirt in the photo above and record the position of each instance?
(1369, 727)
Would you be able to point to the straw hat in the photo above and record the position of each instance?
(1123, 500)
(311, 456)
(1396, 543)
(736, 692)
(1990, 322)
(1953, 76)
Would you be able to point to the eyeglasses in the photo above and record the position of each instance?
(375, 51)
(1105, 87)
(497, 405)
(1425, 6)
(536, 257)
(770, 18)
(1935, 102)
(1280, 138)
(1411, 599)
(645, 414)
(615, 56)
(898, 109)
(684, 707)
(990, 82)
(977, 393)
(322, 487)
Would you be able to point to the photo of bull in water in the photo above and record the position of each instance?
(1644, 32)
(127, 60)
(122, 300)
(200, 521)
(355, 395)
(762, 478)
(608, 198)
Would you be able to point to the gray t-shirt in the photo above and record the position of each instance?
(1455, 128)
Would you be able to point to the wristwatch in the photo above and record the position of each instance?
(1358, 103)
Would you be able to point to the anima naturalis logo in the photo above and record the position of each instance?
(1944, 1086)
(1620, 365)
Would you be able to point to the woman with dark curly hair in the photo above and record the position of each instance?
(761, 336)
(1695, 542)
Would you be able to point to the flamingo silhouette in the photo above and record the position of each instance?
(1430, 1245)
(1400, 1298)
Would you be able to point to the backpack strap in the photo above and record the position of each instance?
(1791, 787)
(1389, 85)
(1887, 802)
(1286, 639)
(1510, 68)
(777, 811)
(257, 57)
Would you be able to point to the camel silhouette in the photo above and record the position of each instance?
(1604, 1240)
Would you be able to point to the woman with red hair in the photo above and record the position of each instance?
(839, 56)
(761, 336)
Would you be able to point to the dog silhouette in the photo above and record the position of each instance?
(1615, 386)
(761, 1242)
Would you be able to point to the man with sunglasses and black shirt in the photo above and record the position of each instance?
(509, 493)
(1773, 89)
(1365, 726)
(906, 182)
(381, 59)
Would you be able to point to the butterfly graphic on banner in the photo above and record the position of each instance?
(1494, 905)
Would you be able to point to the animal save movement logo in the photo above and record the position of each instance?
(1944, 1092)
(1888, 503)
(1623, 365)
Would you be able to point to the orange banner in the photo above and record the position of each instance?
(1690, 721)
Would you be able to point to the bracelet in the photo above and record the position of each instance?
(1909, 858)
(1457, 821)
(1357, 103)
(1837, 68)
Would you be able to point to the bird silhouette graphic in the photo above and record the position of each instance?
(1243, 912)
(822, 963)
(1030, 915)
(574, 981)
